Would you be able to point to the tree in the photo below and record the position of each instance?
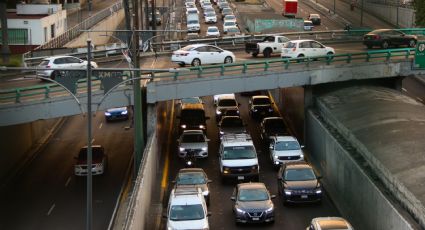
(5, 51)
(419, 6)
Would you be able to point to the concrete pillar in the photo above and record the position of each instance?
(308, 103)
(398, 83)
(151, 119)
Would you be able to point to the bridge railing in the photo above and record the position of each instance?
(42, 92)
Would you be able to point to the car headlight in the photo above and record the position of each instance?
(318, 191)
(204, 148)
(221, 133)
(206, 193)
(255, 110)
(226, 170)
(254, 167)
(240, 211)
(276, 156)
(269, 210)
(288, 192)
(270, 109)
(181, 149)
(107, 114)
(183, 126)
(124, 112)
(218, 112)
(302, 156)
(201, 126)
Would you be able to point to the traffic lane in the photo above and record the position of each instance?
(47, 195)
(288, 217)
(414, 88)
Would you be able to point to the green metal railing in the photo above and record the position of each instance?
(42, 92)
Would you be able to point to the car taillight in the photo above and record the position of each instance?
(48, 66)
(376, 37)
(184, 54)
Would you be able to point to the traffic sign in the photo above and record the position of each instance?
(420, 55)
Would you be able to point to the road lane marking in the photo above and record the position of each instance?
(419, 99)
(405, 90)
(51, 209)
(67, 181)
(101, 124)
(164, 180)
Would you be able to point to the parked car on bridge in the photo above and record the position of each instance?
(198, 54)
(385, 38)
(193, 177)
(66, 62)
(99, 161)
(323, 223)
(306, 48)
(297, 183)
(120, 113)
(253, 203)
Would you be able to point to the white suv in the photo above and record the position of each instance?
(65, 62)
(238, 157)
(306, 48)
(285, 149)
(224, 103)
(187, 209)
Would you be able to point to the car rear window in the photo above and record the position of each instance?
(290, 45)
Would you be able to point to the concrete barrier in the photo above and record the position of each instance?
(353, 189)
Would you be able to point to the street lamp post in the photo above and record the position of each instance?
(89, 139)
(361, 14)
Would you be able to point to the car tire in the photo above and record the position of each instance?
(385, 45)
(181, 64)
(254, 54)
(412, 43)
(228, 60)
(54, 75)
(196, 62)
(267, 52)
(300, 56)
(329, 56)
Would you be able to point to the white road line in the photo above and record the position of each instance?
(101, 124)
(51, 209)
(405, 90)
(420, 99)
(67, 181)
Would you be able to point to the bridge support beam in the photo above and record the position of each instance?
(308, 103)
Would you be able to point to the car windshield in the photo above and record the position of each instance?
(261, 101)
(229, 23)
(193, 22)
(187, 48)
(210, 14)
(287, 145)
(230, 17)
(44, 63)
(239, 152)
(191, 100)
(302, 174)
(290, 45)
(227, 102)
(233, 30)
(227, 11)
(308, 23)
(190, 138)
(192, 116)
(213, 29)
(191, 178)
(186, 212)
(96, 153)
(231, 122)
(257, 194)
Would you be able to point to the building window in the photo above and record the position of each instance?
(45, 34)
(52, 30)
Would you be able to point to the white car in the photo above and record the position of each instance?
(230, 18)
(227, 25)
(285, 149)
(205, 4)
(208, 10)
(190, 5)
(192, 10)
(210, 17)
(199, 54)
(213, 31)
(193, 140)
(193, 25)
(99, 161)
(305, 48)
(61, 62)
(187, 209)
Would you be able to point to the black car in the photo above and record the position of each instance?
(260, 106)
(231, 124)
(297, 183)
(252, 203)
(315, 18)
(272, 126)
(193, 177)
(385, 38)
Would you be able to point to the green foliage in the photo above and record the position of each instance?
(419, 6)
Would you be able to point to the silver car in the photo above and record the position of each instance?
(195, 141)
(190, 177)
(66, 62)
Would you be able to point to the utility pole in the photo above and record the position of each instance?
(89, 221)
(5, 51)
(361, 14)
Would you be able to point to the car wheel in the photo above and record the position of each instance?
(412, 43)
(300, 56)
(329, 56)
(267, 52)
(254, 54)
(228, 59)
(54, 75)
(369, 46)
(384, 45)
(196, 62)
(182, 64)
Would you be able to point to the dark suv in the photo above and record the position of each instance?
(260, 106)
(385, 38)
(272, 126)
(192, 116)
(297, 183)
(252, 203)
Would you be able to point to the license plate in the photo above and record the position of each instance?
(255, 218)
(241, 177)
(304, 196)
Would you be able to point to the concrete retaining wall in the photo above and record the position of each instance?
(401, 16)
(110, 23)
(140, 209)
(353, 191)
(19, 142)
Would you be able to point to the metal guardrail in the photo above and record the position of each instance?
(75, 31)
(10, 96)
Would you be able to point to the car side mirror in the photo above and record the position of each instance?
(319, 177)
(232, 198)
(302, 146)
(207, 139)
(164, 216)
(271, 147)
(272, 196)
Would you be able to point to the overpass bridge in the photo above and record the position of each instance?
(28, 104)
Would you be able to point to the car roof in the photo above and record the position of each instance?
(260, 96)
(315, 15)
(301, 40)
(188, 170)
(285, 138)
(55, 57)
(272, 118)
(193, 106)
(224, 97)
(93, 146)
(297, 165)
(193, 131)
(332, 223)
(251, 185)
(116, 109)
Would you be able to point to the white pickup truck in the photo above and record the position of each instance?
(267, 46)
